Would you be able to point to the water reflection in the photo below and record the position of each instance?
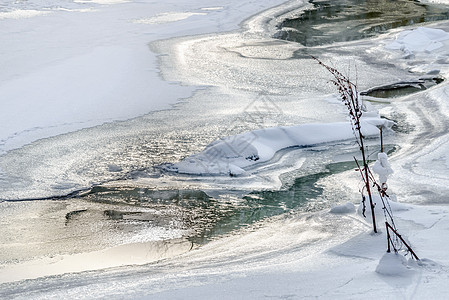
(400, 89)
(346, 20)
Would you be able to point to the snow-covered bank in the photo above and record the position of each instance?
(356, 268)
(232, 155)
(83, 63)
(307, 255)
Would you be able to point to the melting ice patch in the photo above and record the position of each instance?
(234, 154)
(105, 2)
(213, 8)
(421, 39)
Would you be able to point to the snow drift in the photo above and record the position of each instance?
(234, 154)
(421, 39)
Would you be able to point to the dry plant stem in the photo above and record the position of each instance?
(381, 140)
(350, 97)
(388, 226)
(367, 184)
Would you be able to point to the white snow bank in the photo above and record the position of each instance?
(393, 264)
(232, 155)
(305, 256)
(134, 253)
(421, 39)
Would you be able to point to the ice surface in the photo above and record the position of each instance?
(73, 65)
(298, 255)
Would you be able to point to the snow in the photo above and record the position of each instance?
(445, 2)
(358, 267)
(300, 257)
(167, 17)
(421, 39)
(392, 264)
(24, 13)
(101, 1)
(379, 204)
(231, 155)
(382, 167)
(424, 166)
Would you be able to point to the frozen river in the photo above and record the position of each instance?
(121, 91)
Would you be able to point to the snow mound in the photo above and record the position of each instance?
(421, 39)
(231, 155)
(346, 208)
(393, 264)
(382, 167)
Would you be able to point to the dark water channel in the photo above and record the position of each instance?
(203, 216)
(332, 21)
(400, 89)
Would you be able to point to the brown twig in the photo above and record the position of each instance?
(402, 240)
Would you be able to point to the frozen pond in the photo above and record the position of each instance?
(105, 187)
